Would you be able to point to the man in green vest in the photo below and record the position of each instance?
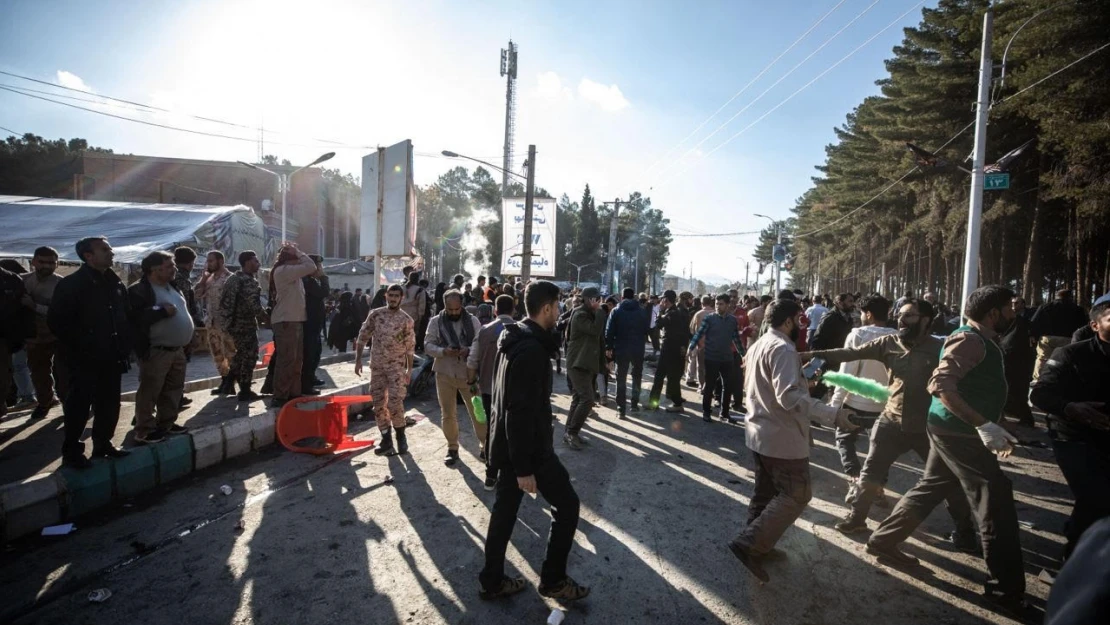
(969, 393)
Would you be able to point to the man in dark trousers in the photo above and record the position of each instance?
(674, 322)
(1074, 390)
(969, 393)
(481, 362)
(89, 316)
(584, 336)
(520, 446)
(316, 289)
(625, 336)
(719, 337)
(1020, 357)
(1053, 325)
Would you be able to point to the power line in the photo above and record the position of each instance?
(10, 130)
(777, 82)
(799, 90)
(1080, 59)
(718, 234)
(742, 90)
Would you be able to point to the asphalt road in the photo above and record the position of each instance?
(327, 540)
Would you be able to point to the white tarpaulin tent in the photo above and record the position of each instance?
(134, 230)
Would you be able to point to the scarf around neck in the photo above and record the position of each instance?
(447, 330)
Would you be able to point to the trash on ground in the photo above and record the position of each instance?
(1029, 525)
(556, 617)
(388, 479)
(1046, 577)
(225, 489)
(100, 595)
(58, 530)
(240, 526)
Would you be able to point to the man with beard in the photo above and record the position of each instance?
(520, 446)
(451, 334)
(46, 363)
(1073, 391)
(242, 312)
(910, 355)
(777, 433)
(718, 336)
(220, 344)
(695, 357)
(969, 393)
(584, 337)
(390, 332)
(1053, 325)
(835, 324)
(675, 326)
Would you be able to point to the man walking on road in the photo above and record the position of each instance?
(521, 434)
(779, 413)
(89, 316)
(969, 393)
(220, 344)
(695, 357)
(583, 362)
(392, 336)
(1073, 390)
(48, 370)
(675, 326)
(480, 365)
(241, 309)
(718, 337)
(450, 336)
(163, 329)
(625, 336)
(910, 356)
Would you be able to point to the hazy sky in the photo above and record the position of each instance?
(608, 91)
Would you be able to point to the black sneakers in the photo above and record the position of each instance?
(851, 524)
(451, 458)
(508, 586)
(891, 555)
(154, 437)
(566, 590)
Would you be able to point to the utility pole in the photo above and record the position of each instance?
(529, 193)
(610, 264)
(378, 273)
(975, 207)
(747, 272)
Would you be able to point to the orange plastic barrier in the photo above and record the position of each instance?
(266, 352)
(321, 420)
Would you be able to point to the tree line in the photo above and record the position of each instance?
(1049, 230)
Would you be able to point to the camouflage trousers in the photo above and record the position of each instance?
(388, 388)
(222, 348)
(246, 355)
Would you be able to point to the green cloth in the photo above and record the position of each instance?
(584, 339)
(984, 388)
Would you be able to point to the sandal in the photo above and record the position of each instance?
(509, 586)
(567, 590)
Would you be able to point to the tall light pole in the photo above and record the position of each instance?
(578, 280)
(975, 205)
(611, 259)
(778, 267)
(283, 182)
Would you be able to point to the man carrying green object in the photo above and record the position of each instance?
(910, 356)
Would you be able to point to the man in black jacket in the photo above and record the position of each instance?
(1053, 326)
(12, 315)
(1073, 390)
(89, 315)
(835, 325)
(316, 289)
(675, 324)
(520, 446)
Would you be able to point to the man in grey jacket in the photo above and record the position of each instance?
(480, 364)
(450, 335)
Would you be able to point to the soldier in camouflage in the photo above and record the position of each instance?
(220, 345)
(241, 311)
(390, 332)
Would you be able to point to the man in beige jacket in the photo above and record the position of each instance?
(450, 336)
(287, 319)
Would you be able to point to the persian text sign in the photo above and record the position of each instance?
(543, 237)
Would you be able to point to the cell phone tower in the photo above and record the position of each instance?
(508, 68)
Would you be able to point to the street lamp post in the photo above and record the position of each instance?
(975, 203)
(778, 268)
(284, 180)
(578, 280)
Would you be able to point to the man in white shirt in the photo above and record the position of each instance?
(875, 310)
(779, 413)
(815, 313)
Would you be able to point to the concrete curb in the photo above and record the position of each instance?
(207, 383)
(51, 498)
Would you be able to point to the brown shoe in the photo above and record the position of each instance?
(508, 586)
(567, 590)
(750, 561)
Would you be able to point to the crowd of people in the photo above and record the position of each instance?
(947, 382)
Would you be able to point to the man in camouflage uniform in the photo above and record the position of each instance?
(390, 332)
(241, 310)
(220, 344)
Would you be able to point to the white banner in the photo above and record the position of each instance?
(543, 237)
(398, 208)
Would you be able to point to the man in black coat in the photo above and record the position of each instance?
(520, 447)
(316, 289)
(835, 325)
(1072, 389)
(1019, 356)
(675, 325)
(13, 316)
(89, 315)
(1053, 326)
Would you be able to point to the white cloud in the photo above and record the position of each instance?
(71, 80)
(608, 98)
(550, 86)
